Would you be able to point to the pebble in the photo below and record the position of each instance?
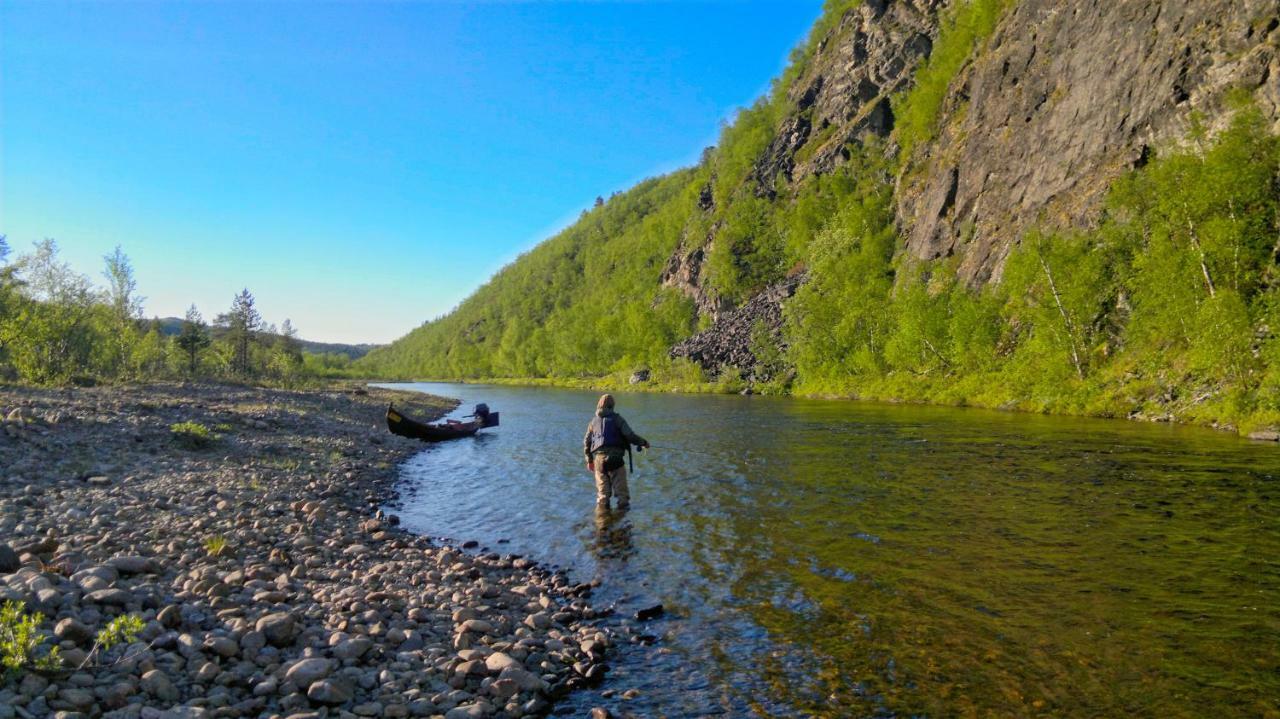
(318, 606)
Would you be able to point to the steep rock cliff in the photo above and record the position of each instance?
(1065, 96)
(1038, 122)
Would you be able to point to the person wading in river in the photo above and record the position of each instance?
(606, 443)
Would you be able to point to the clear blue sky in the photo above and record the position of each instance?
(360, 167)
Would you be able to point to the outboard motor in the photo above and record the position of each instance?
(487, 418)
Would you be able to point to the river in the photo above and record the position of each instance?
(845, 559)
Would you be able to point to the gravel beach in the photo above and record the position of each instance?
(268, 582)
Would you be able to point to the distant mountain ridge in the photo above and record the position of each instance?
(172, 326)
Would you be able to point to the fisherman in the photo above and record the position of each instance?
(606, 444)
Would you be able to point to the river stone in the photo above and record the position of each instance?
(158, 685)
(279, 628)
(479, 626)
(526, 680)
(498, 661)
(353, 648)
(9, 561)
(78, 698)
(252, 642)
(504, 688)
(468, 711)
(170, 616)
(134, 565)
(224, 647)
(72, 630)
(113, 596)
(331, 691)
(308, 671)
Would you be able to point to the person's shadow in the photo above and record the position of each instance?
(613, 536)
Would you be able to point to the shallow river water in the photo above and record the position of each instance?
(844, 559)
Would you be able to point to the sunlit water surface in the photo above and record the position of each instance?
(844, 559)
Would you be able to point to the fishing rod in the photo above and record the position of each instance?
(684, 449)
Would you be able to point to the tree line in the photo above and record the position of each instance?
(57, 326)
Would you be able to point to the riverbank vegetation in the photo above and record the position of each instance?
(58, 327)
(1164, 309)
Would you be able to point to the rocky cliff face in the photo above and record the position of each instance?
(1064, 97)
(842, 95)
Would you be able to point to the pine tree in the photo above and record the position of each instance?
(243, 324)
(193, 338)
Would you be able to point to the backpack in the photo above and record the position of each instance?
(606, 433)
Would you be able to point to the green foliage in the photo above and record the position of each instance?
(964, 27)
(839, 321)
(216, 546)
(56, 327)
(1169, 306)
(48, 329)
(121, 630)
(587, 302)
(192, 435)
(21, 641)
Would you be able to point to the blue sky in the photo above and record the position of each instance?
(360, 167)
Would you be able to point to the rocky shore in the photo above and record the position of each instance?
(250, 545)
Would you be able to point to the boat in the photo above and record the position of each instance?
(404, 426)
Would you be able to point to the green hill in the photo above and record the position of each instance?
(1021, 204)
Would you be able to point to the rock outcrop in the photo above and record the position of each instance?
(728, 343)
(843, 95)
(1064, 97)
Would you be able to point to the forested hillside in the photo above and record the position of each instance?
(977, 205)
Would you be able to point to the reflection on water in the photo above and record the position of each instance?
(845, 559)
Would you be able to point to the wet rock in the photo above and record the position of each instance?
(651, 612)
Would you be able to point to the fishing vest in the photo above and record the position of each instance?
(605, 432)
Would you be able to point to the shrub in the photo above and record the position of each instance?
(192, 435)
(20, 641)
(216, 546)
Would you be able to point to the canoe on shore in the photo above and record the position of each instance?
(404, 426)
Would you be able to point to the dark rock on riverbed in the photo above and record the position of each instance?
(650, 612)
(267, 581)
